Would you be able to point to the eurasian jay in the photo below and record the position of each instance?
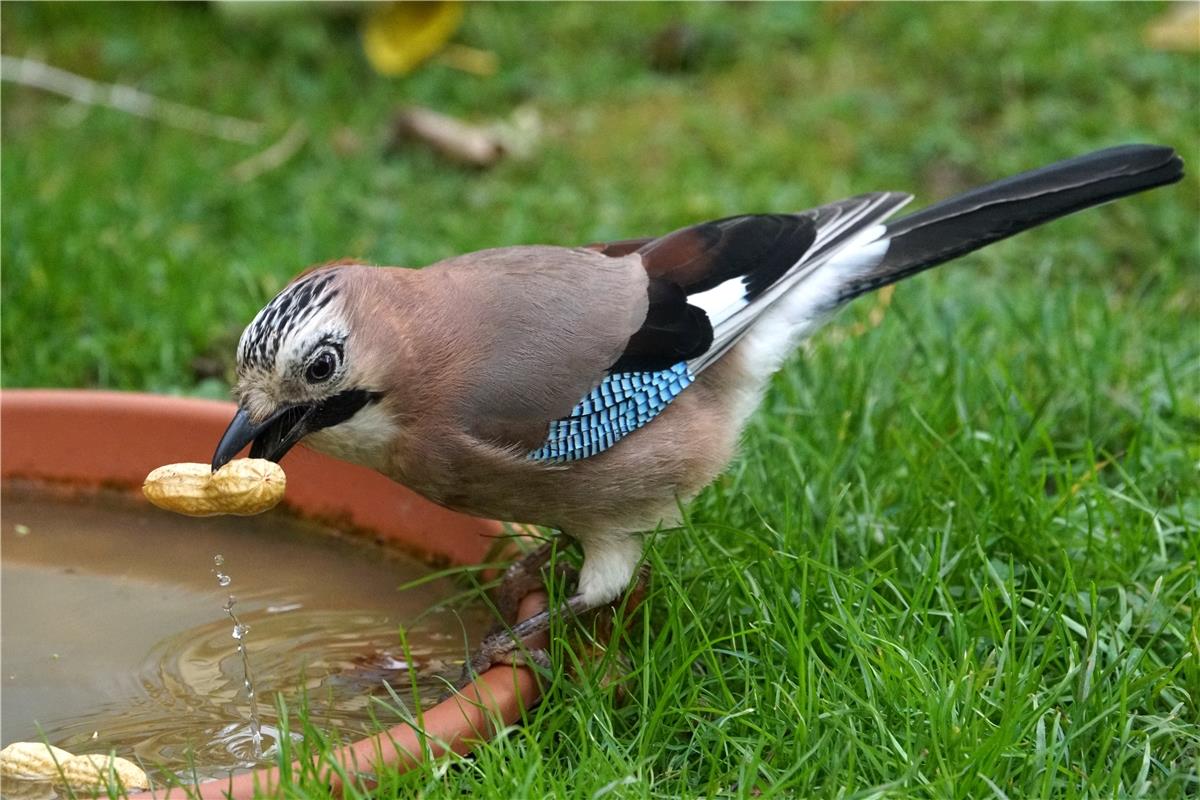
(592, 389)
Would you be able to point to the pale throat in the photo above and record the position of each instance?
(367, 438)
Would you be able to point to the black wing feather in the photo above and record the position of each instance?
(757, 248)
(674, 331)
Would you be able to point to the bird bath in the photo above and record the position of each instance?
(322, 607)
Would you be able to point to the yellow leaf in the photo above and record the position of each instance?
(398, 37)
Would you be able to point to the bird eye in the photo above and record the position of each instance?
(321, 369)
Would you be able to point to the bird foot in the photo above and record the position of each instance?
(510, 646)
(501, 648)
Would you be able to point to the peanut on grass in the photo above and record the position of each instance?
(96, 771)
(244, 486)
(32, 761)
(28, 769)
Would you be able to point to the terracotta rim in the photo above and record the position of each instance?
(112, 439)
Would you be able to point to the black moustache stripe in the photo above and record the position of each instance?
(341, 407)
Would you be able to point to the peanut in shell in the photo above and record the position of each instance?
(32, 761)
(244, 486)
(95, 771)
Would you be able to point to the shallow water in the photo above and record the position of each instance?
(112, 634)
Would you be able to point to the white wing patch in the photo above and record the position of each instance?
(859, 254)
(850, 241)
(722, 301)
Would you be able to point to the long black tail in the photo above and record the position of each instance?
(981, 216)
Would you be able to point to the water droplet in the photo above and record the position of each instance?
(21, 530)
(218, 559)
(239, 633)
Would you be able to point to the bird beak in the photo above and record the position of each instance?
(269, 439)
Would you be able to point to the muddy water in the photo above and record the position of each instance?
(112, 634)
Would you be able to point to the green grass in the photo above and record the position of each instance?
(958, 557)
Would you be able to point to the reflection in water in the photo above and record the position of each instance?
(113, 637)
(194, 704)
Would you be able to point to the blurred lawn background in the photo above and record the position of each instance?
(959, 556)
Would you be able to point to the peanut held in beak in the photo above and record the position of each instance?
(244, 486)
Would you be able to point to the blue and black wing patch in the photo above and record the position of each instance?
(715, 267)
(622, 403)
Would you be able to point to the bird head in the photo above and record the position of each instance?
(299, 375)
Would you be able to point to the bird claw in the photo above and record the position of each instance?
(502, 648)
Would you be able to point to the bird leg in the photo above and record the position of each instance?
(510, 645)
(505, 645)
(522, 577)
